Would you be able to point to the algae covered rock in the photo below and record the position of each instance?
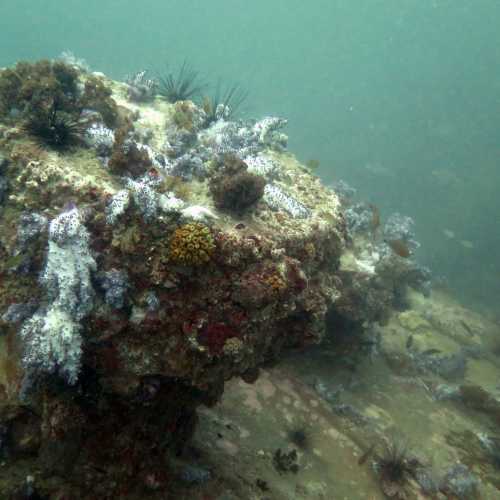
(128, 307)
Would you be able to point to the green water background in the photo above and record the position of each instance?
(400, 98)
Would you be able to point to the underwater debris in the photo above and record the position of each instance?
(233, 188)
(180, 86)
(286, 462)
(140, 88)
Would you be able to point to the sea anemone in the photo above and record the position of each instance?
(54, 128)
(180, 86)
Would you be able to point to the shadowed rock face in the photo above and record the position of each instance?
(133, 303)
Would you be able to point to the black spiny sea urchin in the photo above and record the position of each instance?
(180, 86)
(53, 127)
(396, 466)
(225, 103)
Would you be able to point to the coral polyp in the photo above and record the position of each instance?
(192, 245)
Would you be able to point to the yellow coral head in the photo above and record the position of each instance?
(192, 245)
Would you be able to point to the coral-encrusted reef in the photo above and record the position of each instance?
(378, 267)
(141, 267)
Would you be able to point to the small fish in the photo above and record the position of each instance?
(467, 244)
(364, 457)
(409, 342)
(430, 352)
(399, 247)
(378, 169)
(467, 328)
(375, 222)
(312, 164)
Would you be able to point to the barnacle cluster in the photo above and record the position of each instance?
(192, 244)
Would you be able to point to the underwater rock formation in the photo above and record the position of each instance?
(144, 266)
(128, 297)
